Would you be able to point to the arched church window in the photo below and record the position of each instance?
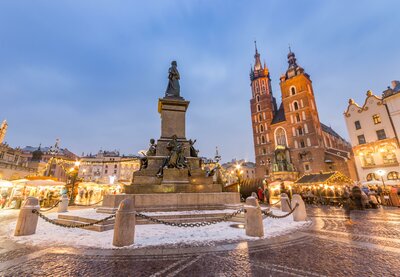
(258, 98)
(264, 151)
(259, 118)
(302, 144)
(280, 137)
(258, 108)
(262, 139)
(300, 131)
(261, 128)
(292, 90)
(393, 175)
(297, 117)
(295, 105)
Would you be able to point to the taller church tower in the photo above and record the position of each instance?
(263, 107)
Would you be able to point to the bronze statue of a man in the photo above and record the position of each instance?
(173, 88)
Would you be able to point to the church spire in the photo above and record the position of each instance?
(257, 64)
(291, 59)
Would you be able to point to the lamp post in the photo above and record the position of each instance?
(73, 174)
(239, 172)
(381, 173)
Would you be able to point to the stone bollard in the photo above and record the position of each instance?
(300, 213)
(285, 206)
(124, 227)
(253, 217)
(63, 205)
(27, 221)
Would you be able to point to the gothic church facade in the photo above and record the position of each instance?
(289, 139)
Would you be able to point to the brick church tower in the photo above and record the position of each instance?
(290, 141)
(263, 107)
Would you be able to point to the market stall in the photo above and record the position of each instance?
(91, 192)
(325, 188)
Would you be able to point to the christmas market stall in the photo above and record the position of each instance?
(324, 188)
(92, 192)
(46, 189)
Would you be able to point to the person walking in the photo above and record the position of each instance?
(260, 194)
(347, 205)
(266, 195)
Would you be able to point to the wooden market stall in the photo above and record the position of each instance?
(325, 187)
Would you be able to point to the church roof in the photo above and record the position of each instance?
(279, 115)
(330, 131)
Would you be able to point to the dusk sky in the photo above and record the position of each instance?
(91, 72)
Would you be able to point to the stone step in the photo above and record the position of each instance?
(96, 227)
(84, 219)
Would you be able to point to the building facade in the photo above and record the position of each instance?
(373, 136)
(235, 169)
(290, 140)
(108, 167)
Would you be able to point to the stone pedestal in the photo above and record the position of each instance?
(300, 213)
(253, 217)
(27, 221)
(63, 205)
(124, 227)
(285, 204)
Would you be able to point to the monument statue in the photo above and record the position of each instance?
(176, 158)
(193, 151)
(173, 88)
(150, 152)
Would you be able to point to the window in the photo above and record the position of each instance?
(388, 154)
(293, 90)
(297, 117)
(280, 137)
(115, 166)
(261, 128)
(300, 131)
(393, 175)
(106, 166)
(371, 176)
(264, 151)
(295, 106)
(357, 124)
(306, 167)
(381, 134)
(115, 171)
(258, 108)
(302, 144)
(262, 139)
(376, 118)
(367, 158)
(258, 98)
(361, 139)
(259, 118)
(106, 171)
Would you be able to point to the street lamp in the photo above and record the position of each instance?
(73, 174)
(381, 173)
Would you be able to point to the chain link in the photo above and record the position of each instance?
(52, 221)
(192, 224)
(52, 207)
(270, 214)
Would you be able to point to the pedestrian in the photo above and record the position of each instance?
(260, 194)
(90, 195)
(86, 194)
(266, 195)
(347, 205)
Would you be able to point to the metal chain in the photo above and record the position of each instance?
(52, 207)
(193, 224)
(270, 214)
(49, 220)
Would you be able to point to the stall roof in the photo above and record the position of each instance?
(323, 178)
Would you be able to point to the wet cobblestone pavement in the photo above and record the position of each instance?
(329, 247)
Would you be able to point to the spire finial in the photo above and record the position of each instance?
(255, 45)
(290, 49)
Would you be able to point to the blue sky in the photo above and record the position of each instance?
(90, 72)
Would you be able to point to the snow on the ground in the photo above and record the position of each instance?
(149, 234)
